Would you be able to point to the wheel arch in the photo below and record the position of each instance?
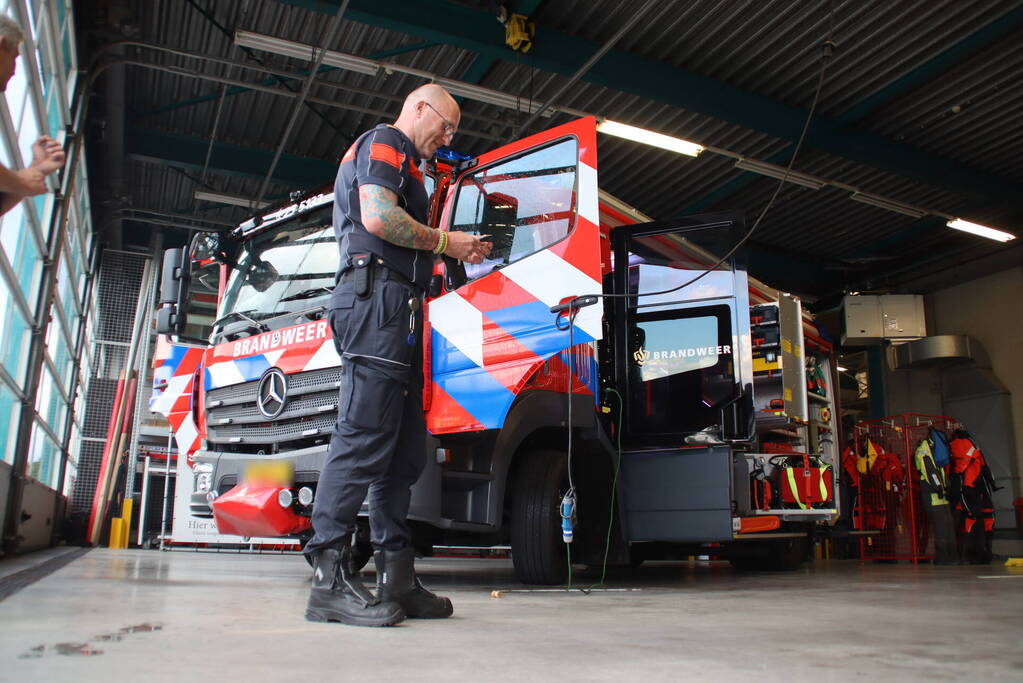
(539, 419)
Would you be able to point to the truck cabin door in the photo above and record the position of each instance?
(682, 350)
(491, 325)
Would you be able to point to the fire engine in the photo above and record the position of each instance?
(601, 378)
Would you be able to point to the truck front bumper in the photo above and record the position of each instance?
(230, 493)
(307, 463)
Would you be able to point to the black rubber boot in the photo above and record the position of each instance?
(338, 594)
(397, 582)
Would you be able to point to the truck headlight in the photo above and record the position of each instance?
(203, 472)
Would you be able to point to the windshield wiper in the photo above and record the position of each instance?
(244, 315)
(308, 293)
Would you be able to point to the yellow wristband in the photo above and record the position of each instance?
(442, 243)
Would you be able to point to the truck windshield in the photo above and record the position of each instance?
(288, 268)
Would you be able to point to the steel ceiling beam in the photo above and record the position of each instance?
(279, 78)
(977, 41)
(472, 29)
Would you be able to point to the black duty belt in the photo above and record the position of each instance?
(367, 268)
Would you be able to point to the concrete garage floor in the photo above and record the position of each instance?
(181, 615)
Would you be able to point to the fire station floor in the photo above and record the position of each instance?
(184, 615)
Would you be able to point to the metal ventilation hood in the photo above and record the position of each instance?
(939, 351)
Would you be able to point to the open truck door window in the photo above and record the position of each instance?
(523, 204)
(680, 346)
(536, 201)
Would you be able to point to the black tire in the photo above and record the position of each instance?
(770, 556)
(538, 552)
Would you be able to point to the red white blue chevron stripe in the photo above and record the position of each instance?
(491, 337)
(293, 349)
(174, 374)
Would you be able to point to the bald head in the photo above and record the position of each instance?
(429, 117)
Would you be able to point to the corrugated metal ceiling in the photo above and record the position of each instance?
(912, 86)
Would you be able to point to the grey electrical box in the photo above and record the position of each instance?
(871, 319)
(903, 316)
(862, 317)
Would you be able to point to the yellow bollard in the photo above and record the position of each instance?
(120, 527)
(125, 522)
(115, 532)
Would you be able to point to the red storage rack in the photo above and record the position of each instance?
(888, 499)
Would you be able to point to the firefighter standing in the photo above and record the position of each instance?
(378, 446)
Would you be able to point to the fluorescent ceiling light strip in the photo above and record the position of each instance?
(481, 94)
(288, 48)
(780, 172)
(889, 204)
(219, 198)
(649, 137)
(982, 230)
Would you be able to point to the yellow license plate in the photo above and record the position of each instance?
(272, 472)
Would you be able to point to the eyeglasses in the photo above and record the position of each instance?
(449, 128)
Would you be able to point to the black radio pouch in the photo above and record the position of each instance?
(363, 277)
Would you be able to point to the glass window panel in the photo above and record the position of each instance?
(524, 204)
(61, 13)
(54, 114)
(43, 458)
(42, 46)
(44, 204)
(12, 231)
(65, 291)
(28, 130)
(70, 474)
(66, 32)
(28, 266)
(44, 395)
(17, 90)
(71, 471)
(59, 351)
(5, 156)
(76, 264)
(14, 342)
(9, 406)
(32, 18)
(85, 363)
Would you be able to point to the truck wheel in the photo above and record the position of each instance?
(538, 552)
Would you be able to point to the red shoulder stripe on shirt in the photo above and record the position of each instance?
(378, 151)
(414, 171)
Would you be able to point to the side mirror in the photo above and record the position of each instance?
(173, 313)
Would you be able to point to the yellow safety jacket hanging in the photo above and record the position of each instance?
(932, 477)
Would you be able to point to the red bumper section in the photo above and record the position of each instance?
(252, 510)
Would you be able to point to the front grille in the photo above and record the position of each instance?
(234, 423)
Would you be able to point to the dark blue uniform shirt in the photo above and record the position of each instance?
(382, 156)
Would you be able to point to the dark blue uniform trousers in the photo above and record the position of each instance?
(378, 446)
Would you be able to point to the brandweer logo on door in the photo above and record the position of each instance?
(271, 340)
(642, 355)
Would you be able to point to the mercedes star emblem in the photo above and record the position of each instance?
(272, 393)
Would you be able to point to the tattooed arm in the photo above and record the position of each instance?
(384, 218)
